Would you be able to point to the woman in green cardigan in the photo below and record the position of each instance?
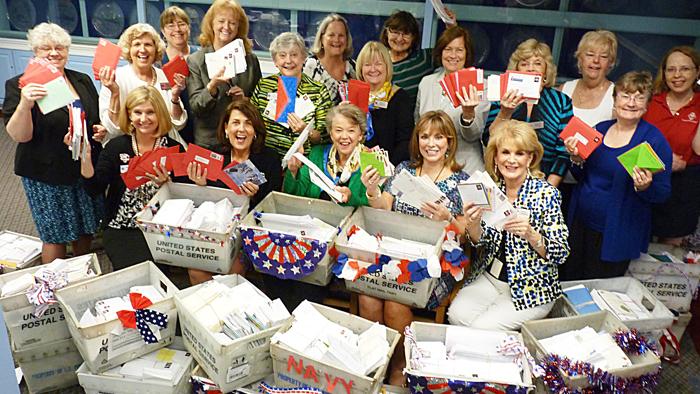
(340, 161)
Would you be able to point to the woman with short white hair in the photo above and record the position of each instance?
(62, 210)
(141, 46)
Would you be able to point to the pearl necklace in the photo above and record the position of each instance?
(135, 145)
(153, 75)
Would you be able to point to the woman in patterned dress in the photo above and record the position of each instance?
(330, 61)
(514, 276)
(432, 148)
(146, 122)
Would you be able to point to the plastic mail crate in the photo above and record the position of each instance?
(25, 328)
(386, 223)
(49, 366)
(329, 212)
(533, 331)
(233, 365)
(292, 369)
(93, 341)
(6, 267)
(192, 248)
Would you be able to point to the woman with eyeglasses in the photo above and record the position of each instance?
(675, 110)
(610, 212)
(548, 117)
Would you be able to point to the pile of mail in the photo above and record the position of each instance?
(526, 83)
(60, 273)
(209, 216)
(587, 345)
(17, 251)
(468, 352)
(106, 309)
(163, 365)
(414, 190)
(378, 158)
(496, 209)
(396, 248)
(300, 226)
(313, 335)
(460, 81)
(230, 58)
(620, 304)
(234, 312)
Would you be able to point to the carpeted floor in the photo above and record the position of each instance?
(683, 378)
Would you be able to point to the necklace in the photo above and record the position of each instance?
(596, 90)
(135, 146)
(675, 110)
(153, 75)
(438, 175)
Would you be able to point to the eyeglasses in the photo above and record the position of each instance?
(57, 48)
(397, 33)
(173, 25)
(639, 99)
(685, 70)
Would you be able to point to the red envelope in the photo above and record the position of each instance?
(159, 155)
(179, 163)
(132, 179)
(39, 71)
(175, 66)
(212, 161)
(358, 94)
(223, 177)
(470, 77)
(588, 137)
(106, 54)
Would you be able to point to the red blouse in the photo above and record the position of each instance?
(680, 128)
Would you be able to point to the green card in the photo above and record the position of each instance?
(58, 95)
(642, 156)
(370, 158)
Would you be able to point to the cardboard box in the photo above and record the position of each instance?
(183, 247)
(49, 366)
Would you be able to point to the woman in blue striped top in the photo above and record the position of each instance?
(548, 117)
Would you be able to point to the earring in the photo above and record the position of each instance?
(447, 154)
(528, 172)
(255, 137)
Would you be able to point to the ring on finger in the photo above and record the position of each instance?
(431, 215)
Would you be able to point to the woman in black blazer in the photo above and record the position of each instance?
(62, 210)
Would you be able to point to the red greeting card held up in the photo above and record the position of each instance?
(358, 94)
(158, 157)
(175, 66)
(588, 137)
(212, 161)
(106, 54)
(39, 71)
(471, 77)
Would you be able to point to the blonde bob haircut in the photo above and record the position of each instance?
(660, 84)
(46, 33)
(520, 135)
(317, 48)
(532, 47)
(350, 112)
(139, 96)
(173, 13)
(435, 121)
(369, 52)
(597, 39)
(135, 31)
(207, 26)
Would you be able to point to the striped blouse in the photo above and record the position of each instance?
(410, 71)
(279, 137)
(554, 110)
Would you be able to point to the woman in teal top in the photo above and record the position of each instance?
(340, 161)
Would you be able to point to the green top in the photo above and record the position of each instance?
(302, 186)
(410, 71)
(281, 138)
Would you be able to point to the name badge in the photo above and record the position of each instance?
(524, 213)
(537, 125)
(123, 168)
(381, 104)
(165, 86)
(496, 268)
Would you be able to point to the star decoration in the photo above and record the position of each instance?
(296, 270)
(247, 241)
(255, 254)
(281, 270)
(418, 388)
(317, 254)
(267, 264)
(308, 264)
(286, 241)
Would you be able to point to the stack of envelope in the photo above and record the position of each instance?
(106, 309)
(209, 216)
(304, 225)
(587, 345)
(313, 335)
(620, 304)
(526, 83)
(174, 213)
(460, 81)
(482, 190)
(230, 57)
(378, 158)
(18, 251)
(74, 269)
(414, 190)
(161, 365)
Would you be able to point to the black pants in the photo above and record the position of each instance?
(127, 247)
(584, 262)
(293, 292)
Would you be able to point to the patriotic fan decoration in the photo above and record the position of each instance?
(428, 385)
(282, 255)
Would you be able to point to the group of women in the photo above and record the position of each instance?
(515, 269)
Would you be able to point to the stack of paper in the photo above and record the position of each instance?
(405, 248)
(378, 158)
(361, 239)
(18, 286)
(313, 335)
(414, 190)
(174, 213)
(460, 81)
(106, 309)
(589, 346)
(642, 156)
(480, 189)
(304, 226)
(619, 304)
(74, 269)
(17, 251)
(161, 365)
(230, 57)
(582, 300)
(42, 72)
(526, 83)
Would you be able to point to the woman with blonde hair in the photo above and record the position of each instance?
(548, 117)
(146, 123)
(432, 148)
(514, 275)
(141, 46)
(224, 22)
(330, 61)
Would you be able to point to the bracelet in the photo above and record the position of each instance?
(451, 218)
(577, 163)
(112, 111)
(540, 243)
(468, 122)
(175, 102)
(372, 198)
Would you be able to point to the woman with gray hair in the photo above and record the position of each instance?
(62, 210)
(330, 61)
(141, 46)
(288, 53)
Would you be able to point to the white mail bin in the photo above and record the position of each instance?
(192, 248)
(232, 365)
(49, 366)
(11, 266)
(93, 341)
(395, 225)
(25, 328)
(255, 238)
